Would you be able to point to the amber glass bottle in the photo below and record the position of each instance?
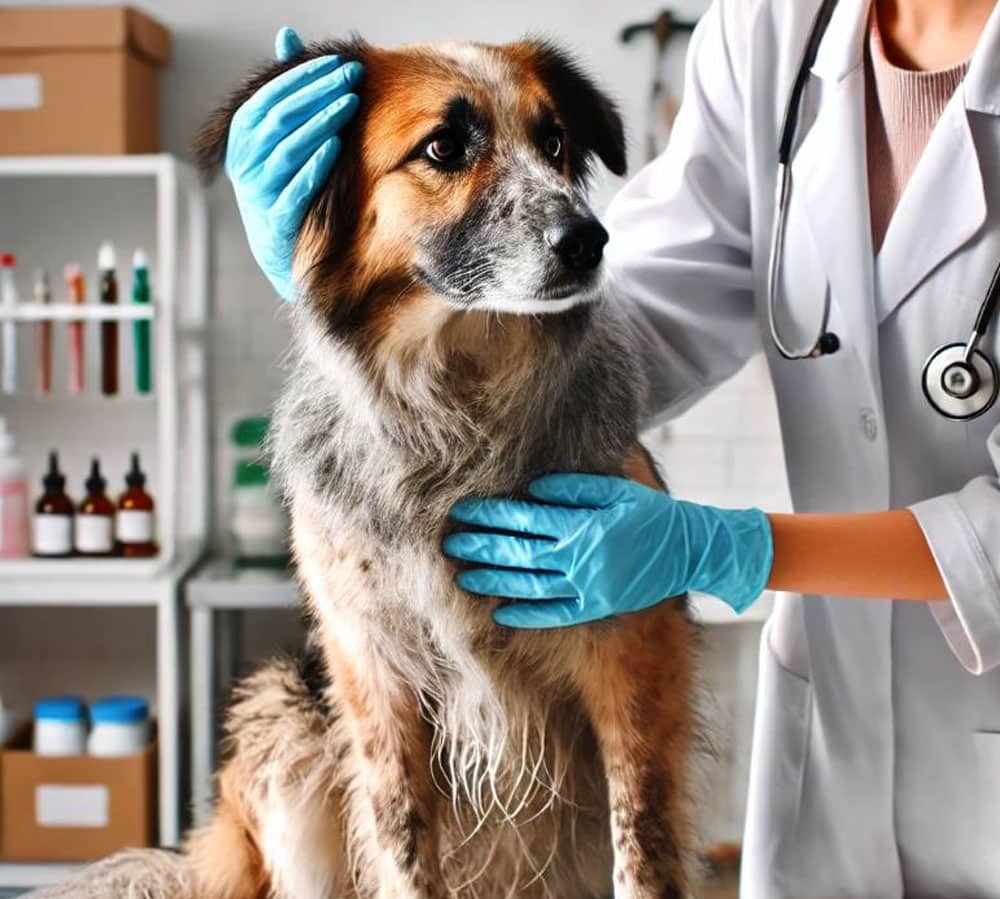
(52, 523)
(95, 518)
(134, 521)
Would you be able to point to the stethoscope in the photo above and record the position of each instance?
(959, 380)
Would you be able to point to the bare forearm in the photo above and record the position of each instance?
(875, 555)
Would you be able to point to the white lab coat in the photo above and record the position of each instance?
(876, 758)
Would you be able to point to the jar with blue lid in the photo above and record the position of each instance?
(119, 726)
(60, 726)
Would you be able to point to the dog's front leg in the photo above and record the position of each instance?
(636, 687)
(390, 794)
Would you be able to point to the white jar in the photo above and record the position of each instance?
(60, 726)
(120, 726)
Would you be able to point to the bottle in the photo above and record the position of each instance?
(95, 517)
(52, 525)
(140, 329)
(134, 522)
(14, 524)
(43, 359)
(108, 293)
(77, 289)
(9, 298)
(60, 726)
(120, 726)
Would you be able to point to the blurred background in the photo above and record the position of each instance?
(173, 624)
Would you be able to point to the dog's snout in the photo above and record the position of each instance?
(579, 242)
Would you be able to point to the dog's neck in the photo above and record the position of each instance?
(480, 407)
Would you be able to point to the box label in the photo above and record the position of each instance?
(66, 806)
(21, 91)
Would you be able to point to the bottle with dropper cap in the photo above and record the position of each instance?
(52, 524)
(134, 521)
(95, 517)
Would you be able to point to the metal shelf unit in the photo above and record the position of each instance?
(179, 313)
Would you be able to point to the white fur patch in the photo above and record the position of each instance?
(536, 307)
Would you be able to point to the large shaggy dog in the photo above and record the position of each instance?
(450, 340)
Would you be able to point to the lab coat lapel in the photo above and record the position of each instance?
(944, 205)
(829, 170)
(941, 209)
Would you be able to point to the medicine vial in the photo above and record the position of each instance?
(95, 517)
(52, 523)
(134, 521)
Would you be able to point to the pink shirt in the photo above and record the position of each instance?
(903, 106)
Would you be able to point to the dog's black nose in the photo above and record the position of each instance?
(579, 242)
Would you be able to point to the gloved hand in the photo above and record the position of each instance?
(282, 145)
(601, 546)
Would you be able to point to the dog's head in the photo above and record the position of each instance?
(461, 179)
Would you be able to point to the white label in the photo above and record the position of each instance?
(52, 535)
(21, 91)
(93, 533)
(135, 526)
(63, 806)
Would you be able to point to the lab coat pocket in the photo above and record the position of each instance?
(778, 762)
(987, 745)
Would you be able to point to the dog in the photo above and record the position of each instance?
(452, 338)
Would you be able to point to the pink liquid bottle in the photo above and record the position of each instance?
(14, 515)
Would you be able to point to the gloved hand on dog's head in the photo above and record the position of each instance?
(282, 146)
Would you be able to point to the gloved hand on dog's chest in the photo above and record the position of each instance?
(595, 546)
(282, 145)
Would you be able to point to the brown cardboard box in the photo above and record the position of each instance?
(74, 808)
(79, 79)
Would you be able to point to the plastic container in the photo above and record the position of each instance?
(60, 726)
(258, 524)
(120, 726)
(15, 522)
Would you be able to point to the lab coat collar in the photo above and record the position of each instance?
(842, 48)
(982, 83)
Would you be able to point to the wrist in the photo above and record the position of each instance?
(738, 557)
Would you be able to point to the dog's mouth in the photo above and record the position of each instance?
(552, 299)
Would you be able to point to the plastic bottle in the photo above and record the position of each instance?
(9, 299)
(52, 524)
(120, 726)
(60, 726)
(14, 520)
(108, 293)
(95, 517)
(140, 329)
(134, 522)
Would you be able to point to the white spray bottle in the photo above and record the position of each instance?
(15, 527)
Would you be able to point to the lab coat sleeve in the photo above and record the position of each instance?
(963, 531)
(679, 260)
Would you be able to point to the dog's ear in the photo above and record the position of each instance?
(589, 115)
(209, 147)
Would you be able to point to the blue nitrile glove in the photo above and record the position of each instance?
(282, 145)
(601, 546)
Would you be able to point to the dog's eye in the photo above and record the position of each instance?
(553, 146)
(444, 148)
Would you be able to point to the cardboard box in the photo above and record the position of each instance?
(80, 80)
(74, 808)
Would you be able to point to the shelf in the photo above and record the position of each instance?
(220, 585)
(68, 312)
(144, 165)
(98, 582)
(28, 875)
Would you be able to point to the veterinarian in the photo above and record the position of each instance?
(867, 283)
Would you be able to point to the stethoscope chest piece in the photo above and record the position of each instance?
(958, 384)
